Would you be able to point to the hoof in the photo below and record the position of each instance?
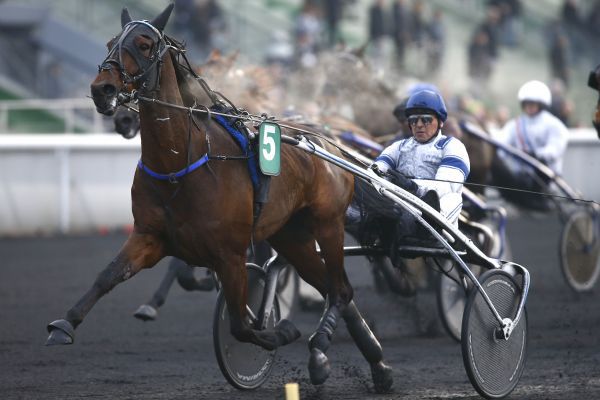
(286, 332)
(146, 313)
(382, 377)
(61, 332)
(318, 367)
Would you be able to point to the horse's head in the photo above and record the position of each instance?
(133, 61)
(594, 78)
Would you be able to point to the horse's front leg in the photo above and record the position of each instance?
(139, 251)
(233, 277)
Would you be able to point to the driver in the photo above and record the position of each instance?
(536, 132)
(429, 163)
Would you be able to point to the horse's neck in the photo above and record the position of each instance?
(199, 93)
(164, 130)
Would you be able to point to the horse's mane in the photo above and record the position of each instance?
(186, 79)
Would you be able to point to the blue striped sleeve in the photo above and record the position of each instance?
(386, 159)
(456, 163)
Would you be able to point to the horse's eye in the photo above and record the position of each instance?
(144, 47)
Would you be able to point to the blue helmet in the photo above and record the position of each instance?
(417, 87)
(426, 100)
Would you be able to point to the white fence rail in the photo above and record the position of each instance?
(65, 109)
(75, 183)
(65, 183)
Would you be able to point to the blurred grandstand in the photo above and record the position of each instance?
(51, 49)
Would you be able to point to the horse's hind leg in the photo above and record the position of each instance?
(139, 251)
(296, 242)
(299, 248)
(369, 347)
(233, 277)
(148, 311)
(184, 274)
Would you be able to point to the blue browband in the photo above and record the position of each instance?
(172, 177)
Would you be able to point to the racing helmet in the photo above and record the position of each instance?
(535, 91)
(426, 100)
(418, 86)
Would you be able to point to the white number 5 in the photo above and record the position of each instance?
(270, 142)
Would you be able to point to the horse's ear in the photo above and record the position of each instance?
(161, 21)
(125, 17)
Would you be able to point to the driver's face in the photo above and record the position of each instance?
(530, 108)
(423, 126)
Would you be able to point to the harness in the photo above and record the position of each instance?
(173, 176)
(149, 67)
(239, 133)
(149, 77)
(242, 140)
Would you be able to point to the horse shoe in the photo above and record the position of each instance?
(318, 367)
(382, 377)
(61, 332)
(146, 313)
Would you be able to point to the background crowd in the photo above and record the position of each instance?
(478, 51)
(410, 38)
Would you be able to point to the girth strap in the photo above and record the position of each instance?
(244, 144)
(172, 177)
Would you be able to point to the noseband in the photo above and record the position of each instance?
(149, 68)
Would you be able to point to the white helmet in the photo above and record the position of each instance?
(535, 91)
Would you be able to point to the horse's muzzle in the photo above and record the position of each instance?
(105, 98)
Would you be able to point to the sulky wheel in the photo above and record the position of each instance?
(580, 250)
(494, 365)
(451, 299)
(245, 365)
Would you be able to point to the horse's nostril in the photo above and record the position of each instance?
(109, 90)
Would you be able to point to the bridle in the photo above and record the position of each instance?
(149, 68)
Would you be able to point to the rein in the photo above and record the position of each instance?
(257, 119)
(165, 44)
(243, 114)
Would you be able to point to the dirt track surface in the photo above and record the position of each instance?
(117, 356)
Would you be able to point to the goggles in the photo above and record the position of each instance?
(526, 103)
(425, 118)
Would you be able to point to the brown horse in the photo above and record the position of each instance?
(205, 217)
